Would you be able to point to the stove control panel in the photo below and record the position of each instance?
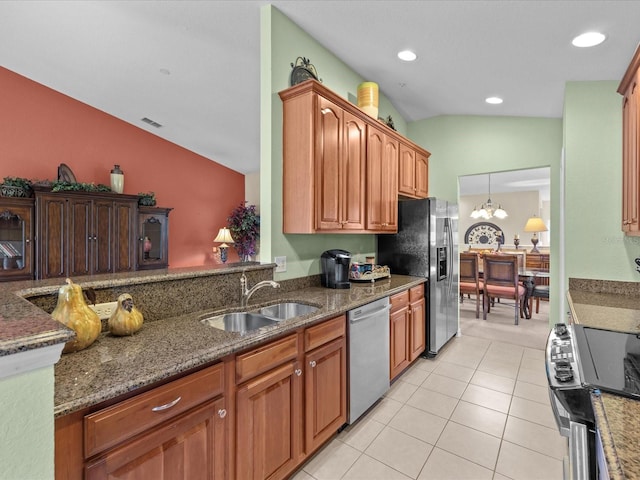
(561, 362)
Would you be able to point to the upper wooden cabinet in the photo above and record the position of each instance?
(85, 233)
(382, 180)
(153, 238)
(413, 177)
(16, 238)
(631, 147)
(340, 166)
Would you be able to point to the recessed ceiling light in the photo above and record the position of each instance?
(493, 100)
(588, 39)
(407, 55)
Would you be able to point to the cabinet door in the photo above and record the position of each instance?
(630, 160)
(407, 171)
(382, 178)
(81, 236)
(325, 392)
(124, 248)
(16, 235)
(399, 340)
(418, 329)
(102, 237)
(269, 424)
(422, 175)
(328, 153)
(153, 238)
(190, 447)
(352, 174)
(51, 248)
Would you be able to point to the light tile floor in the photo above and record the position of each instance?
(479, 410)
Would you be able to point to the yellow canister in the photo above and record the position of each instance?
(368, 98)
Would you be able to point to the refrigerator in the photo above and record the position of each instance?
(426, 245)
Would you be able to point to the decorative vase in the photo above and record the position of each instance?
(117, 179)
(368, 98)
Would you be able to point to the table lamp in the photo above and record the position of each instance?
(535, 225)
(224, 236)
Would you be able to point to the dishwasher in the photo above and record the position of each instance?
(368, 356)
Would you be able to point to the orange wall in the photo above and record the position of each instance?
(41, 128)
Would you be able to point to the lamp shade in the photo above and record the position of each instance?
(535, 224)
(224, 236)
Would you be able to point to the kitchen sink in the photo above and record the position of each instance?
(286, 310)
(238, 321)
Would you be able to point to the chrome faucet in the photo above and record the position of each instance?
(245, 293)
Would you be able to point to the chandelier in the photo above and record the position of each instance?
(487, 210)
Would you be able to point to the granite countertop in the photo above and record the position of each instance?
(612, 306)
(114, 366)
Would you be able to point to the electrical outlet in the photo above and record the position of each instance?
(104, 310)
(281, 264)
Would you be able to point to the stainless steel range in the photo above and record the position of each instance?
(582, 361)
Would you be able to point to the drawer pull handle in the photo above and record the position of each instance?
(312, 363)
(222, 413)
(166, 406)
(298, 372)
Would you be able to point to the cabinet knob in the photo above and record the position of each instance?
(222, 413)
(27, 241)
(312, 363)
(298, 372)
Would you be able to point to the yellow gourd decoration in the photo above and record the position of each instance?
(126, 318)
(73, 312)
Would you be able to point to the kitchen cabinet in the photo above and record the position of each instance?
(291, 398)
(340, 166)
(269, 422)
(325, 381)
(16, 238)
(153, 238)
(407, 329)
(413, 175)
(177, 430)
(630, 91)
(382, 180)
(85, 233)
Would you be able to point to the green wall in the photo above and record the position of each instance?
(282, 41)
(26, 425)
(595, 244)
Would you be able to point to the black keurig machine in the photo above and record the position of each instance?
(335, 269)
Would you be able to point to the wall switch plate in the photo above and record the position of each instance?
(104, 310)
(281, 264)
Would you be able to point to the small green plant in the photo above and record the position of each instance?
(16, 187)
(147, 199)
(61, 186)
(244, 224)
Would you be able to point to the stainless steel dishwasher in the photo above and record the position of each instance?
(368, 356)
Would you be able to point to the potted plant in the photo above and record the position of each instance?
(15, 187)
(147, 199)
(244, 224)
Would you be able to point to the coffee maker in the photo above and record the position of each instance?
(335, 268)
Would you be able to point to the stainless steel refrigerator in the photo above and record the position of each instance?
(426, 245)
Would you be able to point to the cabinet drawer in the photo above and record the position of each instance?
(324, 332)
(416, 293)
(265, 358)
(122, 421)
(399, 300)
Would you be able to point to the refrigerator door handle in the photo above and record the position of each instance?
(449, 255)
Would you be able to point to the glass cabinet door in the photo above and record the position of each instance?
(153, 231)
(15, 240)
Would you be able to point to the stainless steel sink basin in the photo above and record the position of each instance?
(284, 311)
(238, 321)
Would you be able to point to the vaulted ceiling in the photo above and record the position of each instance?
(193, 66)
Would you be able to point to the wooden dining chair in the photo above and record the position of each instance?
(470, 282)
(501, 280)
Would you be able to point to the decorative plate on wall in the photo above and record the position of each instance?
(484, 233)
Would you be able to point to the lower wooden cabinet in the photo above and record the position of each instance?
(407, 329)
(190, 448)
